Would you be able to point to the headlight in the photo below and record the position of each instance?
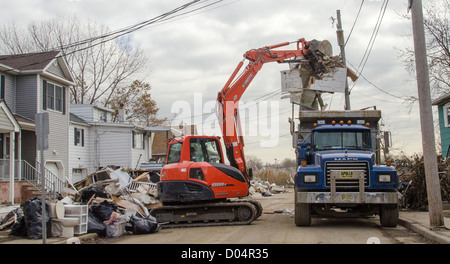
(309, 178)
(384, 178)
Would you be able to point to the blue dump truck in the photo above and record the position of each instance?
(339, 171)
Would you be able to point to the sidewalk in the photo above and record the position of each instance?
(419, 222)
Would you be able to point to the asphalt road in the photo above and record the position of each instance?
(279, 228)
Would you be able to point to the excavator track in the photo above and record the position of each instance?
(207, 214)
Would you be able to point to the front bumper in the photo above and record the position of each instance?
(346, 197)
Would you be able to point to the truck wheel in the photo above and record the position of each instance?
(302, 214)
(389, 215)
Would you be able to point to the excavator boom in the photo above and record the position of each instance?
(196, 185)
(228, 98)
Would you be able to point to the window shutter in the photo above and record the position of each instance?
(44, 92)
(82, 137)
(74, 136)
(2, 88)
(63, 100)
(132, 139)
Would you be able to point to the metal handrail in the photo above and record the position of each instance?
(53, 184)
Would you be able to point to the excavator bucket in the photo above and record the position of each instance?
(320, 72)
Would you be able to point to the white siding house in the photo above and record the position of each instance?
(102, 142)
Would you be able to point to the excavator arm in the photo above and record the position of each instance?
(228, 98)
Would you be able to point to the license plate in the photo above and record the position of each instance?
(347, 197)
(346, 174)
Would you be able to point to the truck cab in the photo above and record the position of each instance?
(339, 172)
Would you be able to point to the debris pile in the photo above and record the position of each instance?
(109, 202)
(261, 188)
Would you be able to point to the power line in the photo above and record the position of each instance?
(375, 86)
(121, 32)
(94, 41)
(354, 23)
(369, 47)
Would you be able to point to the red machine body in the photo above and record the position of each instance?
(195, 172)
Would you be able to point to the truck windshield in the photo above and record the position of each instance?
(326, 140)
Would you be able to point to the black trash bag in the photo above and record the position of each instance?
(140, 225)
(33, 218)
(16, 212)
(102, 211)
(95, 226)
(19, 228)
(91, 190)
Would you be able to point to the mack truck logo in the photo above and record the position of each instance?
(345, 159)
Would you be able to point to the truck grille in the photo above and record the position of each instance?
(347, 166)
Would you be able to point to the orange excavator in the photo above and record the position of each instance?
(197, 188)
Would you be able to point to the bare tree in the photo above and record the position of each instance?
(137, 103)
(99, 67)
(254, 162)
(437, 30)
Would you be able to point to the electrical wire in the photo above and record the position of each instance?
(374, 35)
(354, 23)
(89, 43)
(369, 47)
(375, 86)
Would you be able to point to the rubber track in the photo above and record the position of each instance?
(210, 222)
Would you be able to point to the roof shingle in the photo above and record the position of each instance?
(28, 61)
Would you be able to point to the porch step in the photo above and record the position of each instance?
(29, 191)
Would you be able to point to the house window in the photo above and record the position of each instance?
(58, 98)
(78, 134)
(102, 115)
(50, 96)
(54, 97)
(138, 140)
(446, 116)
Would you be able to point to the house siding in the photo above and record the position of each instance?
(5, 123)
(26, 95)
(445, 132)
(84, 111)
(10, 98)
(58, 132)
(140, 155)
(112, 146)
(56, 70)
(79, 155)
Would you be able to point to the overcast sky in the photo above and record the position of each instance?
(196, 54)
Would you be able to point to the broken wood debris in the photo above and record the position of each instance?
(117, 202)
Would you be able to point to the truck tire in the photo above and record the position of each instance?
(389, 215)
(302, 214)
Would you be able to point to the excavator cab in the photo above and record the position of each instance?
(195, 171)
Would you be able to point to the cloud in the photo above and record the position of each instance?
(198, 52)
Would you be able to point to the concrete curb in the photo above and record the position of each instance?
(424, 231)
(81, 239)
(51, 240)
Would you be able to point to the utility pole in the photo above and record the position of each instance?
(341, 42)
(426, 117)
